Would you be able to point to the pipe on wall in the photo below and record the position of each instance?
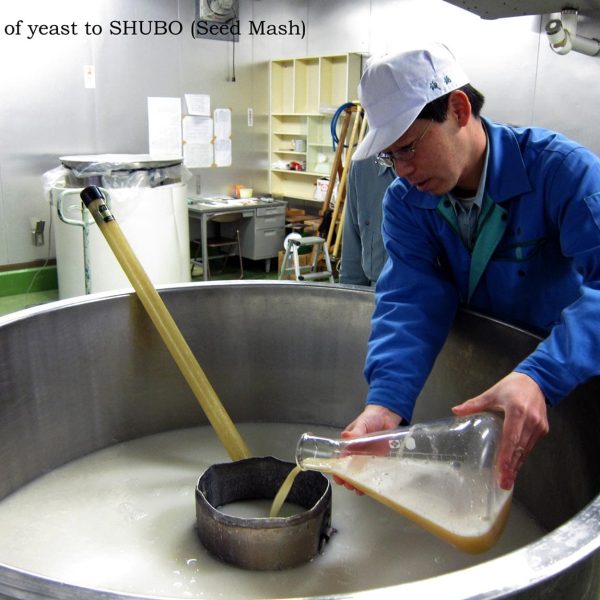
(562, 35)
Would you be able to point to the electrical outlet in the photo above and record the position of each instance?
(37, 232)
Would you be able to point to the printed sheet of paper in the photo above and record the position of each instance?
(198, 104)
(222, 119)
(197, 156)
(197, 130)
(164, 126)
(223, 152)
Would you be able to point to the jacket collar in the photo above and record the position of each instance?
(506, 174)
(382, 170)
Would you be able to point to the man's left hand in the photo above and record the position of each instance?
(525, 420)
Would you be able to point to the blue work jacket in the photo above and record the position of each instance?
(535, 263)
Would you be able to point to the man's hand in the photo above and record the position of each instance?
(525, 420)
(373, 418)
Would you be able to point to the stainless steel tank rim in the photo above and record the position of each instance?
(525, 567)
(128, 291)
(48, 307)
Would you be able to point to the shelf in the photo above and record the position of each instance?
(308, 199)
(294, 173)
(305, 93)
(299, 114)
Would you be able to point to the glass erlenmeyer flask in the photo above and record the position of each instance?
(441, 474)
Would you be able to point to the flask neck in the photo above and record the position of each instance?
(469, 441)
(316, 453)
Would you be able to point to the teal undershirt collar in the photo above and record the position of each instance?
(491, 221)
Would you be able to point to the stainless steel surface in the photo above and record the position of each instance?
(120, 171)
(262, 544)
(79, 375)
(492, 9)
(99, 164)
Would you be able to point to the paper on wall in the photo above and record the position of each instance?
(197, 130)
(198, 104)
(222, 117)
(206, 141)
(164, 126)
(197, 156)
(222, 152)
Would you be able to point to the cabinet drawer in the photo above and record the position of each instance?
(269, 221)
(267, 243)
(267, 211)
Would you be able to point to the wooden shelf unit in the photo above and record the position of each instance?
(305, 93)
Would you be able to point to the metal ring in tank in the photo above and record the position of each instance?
(262, 543)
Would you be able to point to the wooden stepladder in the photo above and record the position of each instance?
(353, 128)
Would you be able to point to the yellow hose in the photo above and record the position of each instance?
(166, 326)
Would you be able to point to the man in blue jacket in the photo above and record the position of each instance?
(503, 220)
(363, 253)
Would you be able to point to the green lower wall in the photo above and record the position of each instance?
(20, 280)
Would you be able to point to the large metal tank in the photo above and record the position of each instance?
(80, 375)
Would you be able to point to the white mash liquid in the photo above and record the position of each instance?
(123, 519)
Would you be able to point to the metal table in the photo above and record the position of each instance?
(204, 209)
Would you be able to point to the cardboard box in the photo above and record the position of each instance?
(294, 212)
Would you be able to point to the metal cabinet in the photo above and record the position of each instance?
(261, 235)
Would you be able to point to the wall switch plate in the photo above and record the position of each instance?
(89, 77)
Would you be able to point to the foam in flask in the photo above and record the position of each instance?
(441, 474)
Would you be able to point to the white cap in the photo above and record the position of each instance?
(395, 88)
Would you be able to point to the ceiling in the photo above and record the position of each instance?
(495, 9)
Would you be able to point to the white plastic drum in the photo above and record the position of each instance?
(148, 197)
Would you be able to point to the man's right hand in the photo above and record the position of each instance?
(372, 419)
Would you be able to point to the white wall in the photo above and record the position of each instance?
(45, 111)
(507, 59)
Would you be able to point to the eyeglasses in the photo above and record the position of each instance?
(387, 159)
